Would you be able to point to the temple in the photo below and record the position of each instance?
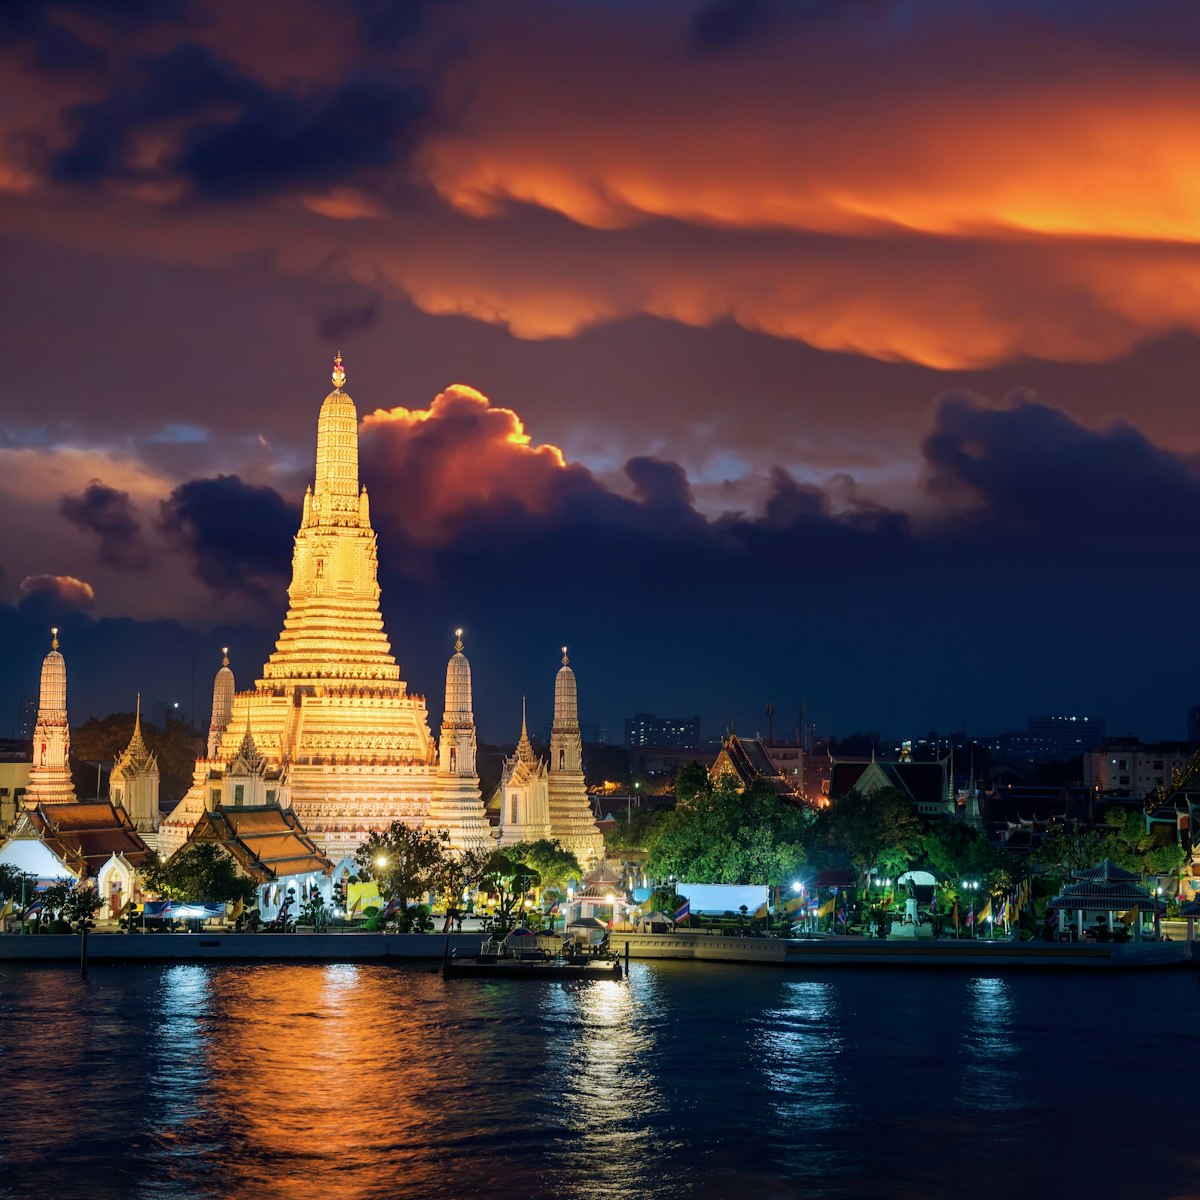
(524, 794)
(330, 728)
(50, 774)
(133, 784)
(571, 819)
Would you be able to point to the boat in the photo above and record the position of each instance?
(495, 960)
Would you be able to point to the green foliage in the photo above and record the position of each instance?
(72, 904)
(956, 850)
(14, 883)
(554, 866)
(404, 862)
(724, 836)
(313, 912)
(201, 872)
(637, 831)
(1123, 837)
(691, 783)
(510, 879)
(876, 829)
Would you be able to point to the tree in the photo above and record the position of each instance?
(729, 836)
(510, 880)
(637, 831)
(872, 826)
(15, 884)
(461, 873)
(956, 850)
(404, 862)
(691, 783)
(75, 903)
(554, 866)
(202, 872)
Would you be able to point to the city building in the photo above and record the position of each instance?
(1069, 735)
(1127, 767)
(678, 733)
(14, 780)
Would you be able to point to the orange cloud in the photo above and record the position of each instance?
(65, 590)
(428, 467)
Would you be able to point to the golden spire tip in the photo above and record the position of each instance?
(458, 642)
(224, 656)
(564, 650)
(54, 637)
(339, 374)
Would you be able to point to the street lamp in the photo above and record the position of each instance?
(381, 861)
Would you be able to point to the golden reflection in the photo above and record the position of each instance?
(322, 1066)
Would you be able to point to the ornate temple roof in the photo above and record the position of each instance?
(1107, 871)
(1116, 897)
(84, 836)
(267, 841)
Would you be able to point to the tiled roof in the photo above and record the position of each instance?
(1117, 897)
(1107, 871)
(266, 840)
(88, 835)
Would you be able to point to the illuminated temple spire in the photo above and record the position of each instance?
(571, 820)
(133, 784)
(222, 703)
(50, 774)
(333, 629)
(456, 804)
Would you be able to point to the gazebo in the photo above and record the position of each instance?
(602, 888)
(1103, 890)
(1190, 912)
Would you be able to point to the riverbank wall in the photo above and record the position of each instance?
(680, 946)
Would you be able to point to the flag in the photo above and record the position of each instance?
(357, 905)
(238, 909)
(985, 913)
(844, 916)
(553, 909)
(933, 904)
(6, 911)
(813, 906)
(761, 913)
(1004, 910)
(826, 909)
(122, 912)
(32, 911)
(683, 911)
(392, 908)
(955, 917)
(971, 915)
(1127, 918)
(795, 904)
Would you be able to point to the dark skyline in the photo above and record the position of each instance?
(757, 350)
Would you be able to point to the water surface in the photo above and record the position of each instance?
(318, 1082)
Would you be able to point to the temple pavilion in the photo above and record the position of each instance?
(1105, 890)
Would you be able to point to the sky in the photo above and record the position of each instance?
(835, 351)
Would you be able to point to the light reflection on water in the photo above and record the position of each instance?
(321, 1082)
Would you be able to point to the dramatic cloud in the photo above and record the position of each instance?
(237, 536)
(58, 593)
(110, 514)
(428, 468)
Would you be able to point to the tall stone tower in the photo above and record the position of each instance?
(133, 784)
(222, 704)
(50, 774)
(457, 805)
(332, 719)
(571, 820)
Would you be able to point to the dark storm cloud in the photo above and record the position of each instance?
(720, 24)
(110, 515)
(242, 138)
(188, 80)
(58, 49)
(237, 536)
(1031, 469)
(340, 324)
(285, 140)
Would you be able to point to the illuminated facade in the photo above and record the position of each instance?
(50, 773)
(571, 819)
(335, 731)
(524, 794)
(133, 784)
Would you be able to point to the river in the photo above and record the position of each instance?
(686, 1080)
